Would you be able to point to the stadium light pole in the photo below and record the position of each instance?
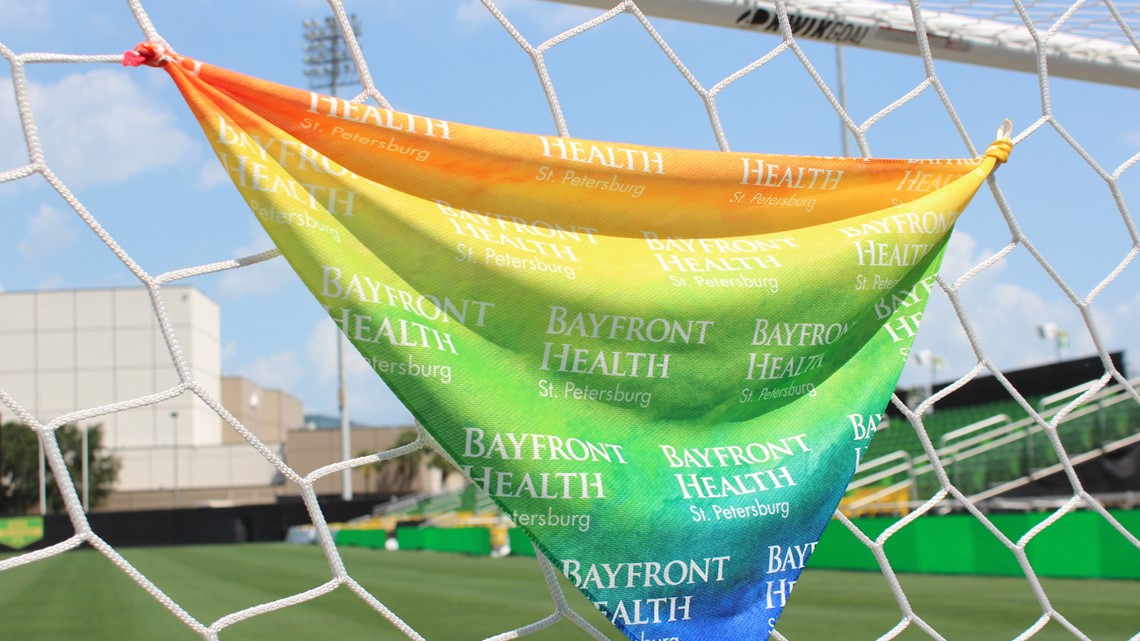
(933, 361)
(345, 427)
(86, 474)
(328, 63)
(1051, 331)
(43, 477)
(174, 448)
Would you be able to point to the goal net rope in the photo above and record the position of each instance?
(1088, 41)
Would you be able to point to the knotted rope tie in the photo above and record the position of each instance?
(148, 53)
(1000, 148)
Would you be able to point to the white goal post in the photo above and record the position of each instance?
(957, 31)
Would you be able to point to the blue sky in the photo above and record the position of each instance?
(124, 142)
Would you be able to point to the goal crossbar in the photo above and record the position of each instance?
(890, 27)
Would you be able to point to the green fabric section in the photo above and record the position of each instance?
(665, 370)
(1078, 545)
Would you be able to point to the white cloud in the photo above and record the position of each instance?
(264, 278)
(963, 254)
(1117, 323)
(29, 15)
(312, 377)
(97, 127)
(321, 351)
(49, 230)
(280, 371)
(369, 399)
(211, 174)
(1004, 316)
(229, 350)
(472, 15)
(52, 282)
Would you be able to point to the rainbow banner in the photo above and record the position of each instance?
(663, 364)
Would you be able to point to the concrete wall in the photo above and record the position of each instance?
(308, 450)
(191, 498)
(75, 349)
(268, 413)
(198, 466)
(66, 350)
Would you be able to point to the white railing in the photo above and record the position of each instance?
(990, 434)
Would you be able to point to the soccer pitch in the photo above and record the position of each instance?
(82, 595)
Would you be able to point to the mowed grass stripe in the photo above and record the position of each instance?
(443, 596)
(212, 581)
(81, 595)
(468, 597)
(968, 608)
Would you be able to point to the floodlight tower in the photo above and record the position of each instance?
(328, 64)
(1060, 338)
(933, 361)
(328, 61)
(174, 448)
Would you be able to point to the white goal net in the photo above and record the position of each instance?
(103, 183)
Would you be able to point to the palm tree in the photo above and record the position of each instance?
(368, 469)
(404, 469)
(438, 461)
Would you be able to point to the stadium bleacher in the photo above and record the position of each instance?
(986, 439)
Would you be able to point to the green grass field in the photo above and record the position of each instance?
(81, 596)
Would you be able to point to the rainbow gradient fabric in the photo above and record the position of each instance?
(663, 364)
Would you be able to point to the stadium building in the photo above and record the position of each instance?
(70, 350)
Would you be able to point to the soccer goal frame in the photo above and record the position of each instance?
(1048, 46)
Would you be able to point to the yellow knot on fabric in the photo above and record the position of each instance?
(1000, 148)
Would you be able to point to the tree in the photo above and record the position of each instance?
(375, 466)
(19, 467)
(440, 462)
(404, 470)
